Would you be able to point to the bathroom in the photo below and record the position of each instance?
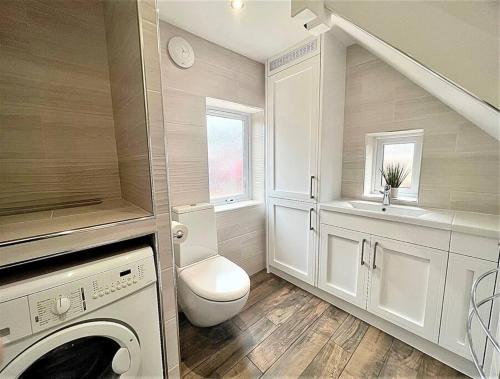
(295, 190)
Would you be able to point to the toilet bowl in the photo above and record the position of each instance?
(212, 291)
(211, 288)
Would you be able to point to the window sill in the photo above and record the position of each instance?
(237, 205)
(400, 200)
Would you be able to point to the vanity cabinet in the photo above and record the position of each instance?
(406, 285)
(293, 114)
(292, 237)
(462, 272)
(343, 264)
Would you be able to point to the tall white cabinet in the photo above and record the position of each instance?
(305, 108)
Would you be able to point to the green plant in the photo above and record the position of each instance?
(394, 174)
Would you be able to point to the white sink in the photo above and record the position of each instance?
(437, 218)
(396, 210)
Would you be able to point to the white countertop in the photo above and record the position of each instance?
(481, 224)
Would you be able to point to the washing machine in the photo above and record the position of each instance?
(97, 319)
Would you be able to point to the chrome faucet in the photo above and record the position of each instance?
(387, 195)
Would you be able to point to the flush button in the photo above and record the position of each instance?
(113, 288)
(106, 291)
(101, 293)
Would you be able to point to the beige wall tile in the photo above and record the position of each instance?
(168, 294)
(184, 108)
(164, 241)
(151, 56)
(148, 9)
(57, 140)
(460, 163)
(174, 373)
(172, 343)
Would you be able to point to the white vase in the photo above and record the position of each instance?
(394, 193)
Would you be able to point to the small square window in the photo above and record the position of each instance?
(228, 156)
(393, 148)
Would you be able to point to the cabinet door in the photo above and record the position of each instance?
(407, 285)
(293, 119)
(462, 271)
(292, 237)
(343, 263)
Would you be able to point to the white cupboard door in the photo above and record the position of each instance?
(293, 119)
(292, 238)
(343, 264)
(407, 285)
(462, 272)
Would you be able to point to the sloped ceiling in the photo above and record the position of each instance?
(457, 39)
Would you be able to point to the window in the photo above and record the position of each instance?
(383, 149)
(228, 155)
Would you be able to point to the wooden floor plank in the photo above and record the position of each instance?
(244, 369)
(206, 343)
(263, 290)
(223, 359)
(293, 362)
(370, 355)
(251, 315)
(259, 278)
(328, 363)
(432, 368)
(349, 334)
(291, 304)
(265, 354)
(403, 361)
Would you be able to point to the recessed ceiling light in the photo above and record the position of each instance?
(237, 4)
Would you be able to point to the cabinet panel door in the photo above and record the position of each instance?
(462, 271)
(343, 263)
(293, 119)
(292, 237)
(407, 285)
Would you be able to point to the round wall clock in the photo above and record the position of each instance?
(181, 52)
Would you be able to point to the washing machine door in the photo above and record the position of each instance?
(96, 349)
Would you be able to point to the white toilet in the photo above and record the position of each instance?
(211, 288)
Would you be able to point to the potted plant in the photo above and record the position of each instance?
(394, 174)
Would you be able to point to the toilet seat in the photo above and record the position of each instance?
(216, 279)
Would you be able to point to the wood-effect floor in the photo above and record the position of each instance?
(285, 332)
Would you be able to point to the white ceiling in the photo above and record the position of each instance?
(260, 30)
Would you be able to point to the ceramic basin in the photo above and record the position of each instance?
(396, 210)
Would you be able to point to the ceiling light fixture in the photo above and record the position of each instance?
(237, 4)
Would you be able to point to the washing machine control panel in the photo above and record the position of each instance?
(59, 304)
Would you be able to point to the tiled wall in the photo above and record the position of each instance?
(124, 57)
(222, 74)
(151, 57)
(460, 163)
(57, 139)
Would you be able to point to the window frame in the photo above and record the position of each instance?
(375, 155)
(245, 117)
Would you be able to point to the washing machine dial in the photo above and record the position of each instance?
(62, 305)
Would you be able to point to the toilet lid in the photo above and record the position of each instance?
(216, 279)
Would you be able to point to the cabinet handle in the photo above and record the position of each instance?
(311, 187)
(375, 255)
(363, 251)
(310, 219)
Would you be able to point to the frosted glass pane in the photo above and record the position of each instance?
(401, 153)
(226, 153)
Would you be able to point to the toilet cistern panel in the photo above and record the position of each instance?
(202, 238)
